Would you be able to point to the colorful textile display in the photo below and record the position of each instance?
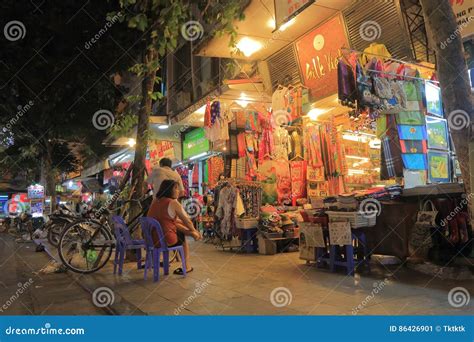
(413, 146)
(415, 161)
(280, 143)
(313, 146)
(298, 180)
(216, 168)
(283, 176)
(184, 173)
(268, 179)
(407, 132)
(391, 159)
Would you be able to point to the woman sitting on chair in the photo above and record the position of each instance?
(173, 219)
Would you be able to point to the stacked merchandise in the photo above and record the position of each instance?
(408, 113)
(277, 223)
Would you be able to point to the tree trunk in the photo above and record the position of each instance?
(452, 72)
(138, 175)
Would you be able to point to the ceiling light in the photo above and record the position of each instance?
(201, 110)
(243, 100)
(284, 26)
(314, 113)
(131, 142)
(198, 156)
(271, 23)
(163, 126)
(248, 46)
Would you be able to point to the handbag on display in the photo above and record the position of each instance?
(427, 215)
(421, 233)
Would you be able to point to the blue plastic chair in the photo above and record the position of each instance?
(153, 253)
(124, 243)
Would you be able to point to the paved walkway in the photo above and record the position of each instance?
(225, 283)
(24, 291)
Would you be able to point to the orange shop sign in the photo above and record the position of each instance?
(318, 54)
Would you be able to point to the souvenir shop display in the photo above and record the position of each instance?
(434, 105)
(437, 130)
(235, 199)
(439, 167)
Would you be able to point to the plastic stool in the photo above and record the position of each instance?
(249, 240)
(349, 262)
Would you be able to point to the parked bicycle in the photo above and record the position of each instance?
(86, 245)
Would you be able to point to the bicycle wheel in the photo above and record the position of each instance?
(54, 233)
(85, 246)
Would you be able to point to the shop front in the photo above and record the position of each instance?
(356, 154)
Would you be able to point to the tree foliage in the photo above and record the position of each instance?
(63, 65)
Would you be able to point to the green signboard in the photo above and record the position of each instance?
(195, 143)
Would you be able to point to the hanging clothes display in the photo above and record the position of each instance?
(391, 159)
(313, 146)
(183, 171)
(267, 177)
(226, 211)
(280, 143)
(266, 145)
(283, 177)
(216, 168)
(298, 180)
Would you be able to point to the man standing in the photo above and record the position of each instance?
(164, 171)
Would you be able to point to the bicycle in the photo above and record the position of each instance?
(86, 245)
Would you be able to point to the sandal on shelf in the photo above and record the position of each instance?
(179, 271)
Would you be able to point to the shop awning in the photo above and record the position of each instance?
(91, 185)
(259, 27)
(249, 92)
(95, 169)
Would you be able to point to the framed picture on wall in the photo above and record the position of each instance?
(434, 104)
(437, 131)
(439, 167)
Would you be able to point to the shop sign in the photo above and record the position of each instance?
(464, 13)
(195, 143)
(36, 207)
(318, 54)
(160, 149)
(287, 9)
(3, 204)
(36, 191)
